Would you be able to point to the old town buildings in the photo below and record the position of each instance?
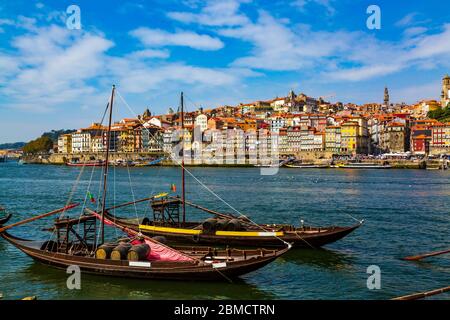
(297, 123)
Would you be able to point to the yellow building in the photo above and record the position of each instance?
(333, 139)
(349, 137)
(65, 143)
(126, 139)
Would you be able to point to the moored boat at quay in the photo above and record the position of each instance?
(307, 166)
(227, 230)
(98, 163)
(159, 262)
(364, 165)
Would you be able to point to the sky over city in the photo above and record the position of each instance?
(217, 52)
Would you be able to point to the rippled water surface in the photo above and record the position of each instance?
(405, 212)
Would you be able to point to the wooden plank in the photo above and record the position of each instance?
(71, 206)
(426, 255)
(422, 295)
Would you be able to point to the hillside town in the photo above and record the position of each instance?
(303, 126)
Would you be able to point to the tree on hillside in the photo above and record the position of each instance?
(54, 134)
(439, 114)
(42, 144)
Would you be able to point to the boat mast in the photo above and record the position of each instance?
(182, 161)
(105, 172)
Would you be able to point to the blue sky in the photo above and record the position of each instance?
(217, 52)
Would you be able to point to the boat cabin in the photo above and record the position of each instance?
(166, 210)
(76, 236)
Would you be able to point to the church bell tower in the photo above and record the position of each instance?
(445, 93)
(386, 97)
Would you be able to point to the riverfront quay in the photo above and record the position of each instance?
(137, 158)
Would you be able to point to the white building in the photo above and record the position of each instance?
(276, 123)
(279, 105)
(168, 140)
(81, 142)
(60, 144)
(153, 121)
(97, 144)
(201, 121)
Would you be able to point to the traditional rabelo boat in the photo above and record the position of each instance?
(79, 241)
(224, 229)
(169, 221)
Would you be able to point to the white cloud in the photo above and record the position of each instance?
(161, 38)
(276, 46)
(338, 55)
(140, 78)
(406, 20)
(149, 54)
(50, 68)
(302, 4)
(414, 31)
(53, 67)
(215, 13)
(6, 22)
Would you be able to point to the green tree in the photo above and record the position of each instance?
(440, 114)
(42, 144)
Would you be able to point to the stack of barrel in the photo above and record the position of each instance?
(213, 224)
(123, 251)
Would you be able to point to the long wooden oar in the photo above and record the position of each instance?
(129, 203)
(71, 206)
(425, 294)
(426, 255)
(135, 201)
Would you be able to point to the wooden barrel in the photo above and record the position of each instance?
(209, 225)
(138, 252)
(222, 224)
(104, 251)
(233, 225)
(120, 252)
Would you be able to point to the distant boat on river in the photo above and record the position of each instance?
(365, 165)
(86, 164)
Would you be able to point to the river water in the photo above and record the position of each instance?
(405, 211)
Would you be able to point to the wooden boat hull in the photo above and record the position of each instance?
(297, 239)
(5, 219)
(85, 164)
(159, 270)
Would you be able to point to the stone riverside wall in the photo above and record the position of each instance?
(323, 158)
(62, 158)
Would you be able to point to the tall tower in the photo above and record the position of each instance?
(445, 93)
(386, 97)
